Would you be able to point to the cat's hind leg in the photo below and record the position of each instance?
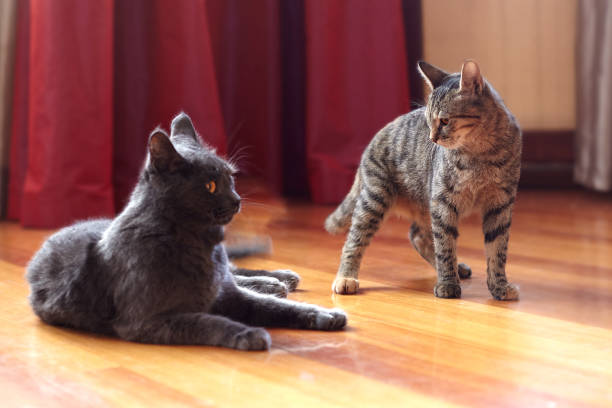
(196, 329)
(421, 238)
(289, 278)
(256, 309)
(464, 270)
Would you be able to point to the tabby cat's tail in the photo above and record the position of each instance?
(340, 220)
(238, 246)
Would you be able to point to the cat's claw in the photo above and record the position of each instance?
(447, 290)
(288, 277)
(253, 338)
(345, 286)
(507, 291)
(465, 271)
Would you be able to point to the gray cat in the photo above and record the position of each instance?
(459, 154)
(158, 272)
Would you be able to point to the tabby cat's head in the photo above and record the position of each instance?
(459, 106)
(186, 172)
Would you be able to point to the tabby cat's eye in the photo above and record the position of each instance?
(444, 122)
(211, 186)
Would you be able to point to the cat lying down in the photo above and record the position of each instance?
(158, 272)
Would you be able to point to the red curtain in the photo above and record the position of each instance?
(357, 82)
(298, 87)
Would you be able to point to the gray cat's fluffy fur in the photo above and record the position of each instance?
(435, 165)
(158, 272)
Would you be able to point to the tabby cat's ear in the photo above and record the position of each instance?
(182, 125)
(431, 74)
(471, 80)
(163, 156)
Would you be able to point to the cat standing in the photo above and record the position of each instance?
(158, 273)
(459, 154)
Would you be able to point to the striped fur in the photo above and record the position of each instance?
(459, 154)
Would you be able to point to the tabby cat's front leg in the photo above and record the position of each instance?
(444, 219)
(369, 211)
(496, 227)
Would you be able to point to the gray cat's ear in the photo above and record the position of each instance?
(182, 125)
(162, 154)
(471, 80)
(434, 76)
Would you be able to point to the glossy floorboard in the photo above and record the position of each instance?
(403, 346)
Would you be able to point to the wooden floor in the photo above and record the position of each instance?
(402, 348)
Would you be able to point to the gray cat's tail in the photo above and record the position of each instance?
(240, 247)
(340, 220)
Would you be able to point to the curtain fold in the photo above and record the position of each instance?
(296, 88)
(356, 83)
(8, 13)
(593, 166)
(245, 38)
(92, 80)
(163, 65)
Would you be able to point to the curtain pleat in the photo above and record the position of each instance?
(593, 167)
(69, 113)
(356, 82)
(8, 14)
(245, 37)
(163, 65)
(295, 88)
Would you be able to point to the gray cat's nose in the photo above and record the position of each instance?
(236, 204)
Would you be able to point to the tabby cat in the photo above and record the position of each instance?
(459, 154)
(158, 272)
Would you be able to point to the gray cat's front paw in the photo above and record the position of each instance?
(288, 277)
(447, 290)
(325, 319)
(264, 284)
(272, 287)
(464, 270)
(253, 338)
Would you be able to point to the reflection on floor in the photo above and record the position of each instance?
(403, 346)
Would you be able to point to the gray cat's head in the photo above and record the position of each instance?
(184, 172)
(459, 107)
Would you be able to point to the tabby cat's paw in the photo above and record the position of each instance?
(506, 291)
(465, 271)
(447, 290)
(325, 319)
(345, 286)
(252, 338)
(288, 277)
